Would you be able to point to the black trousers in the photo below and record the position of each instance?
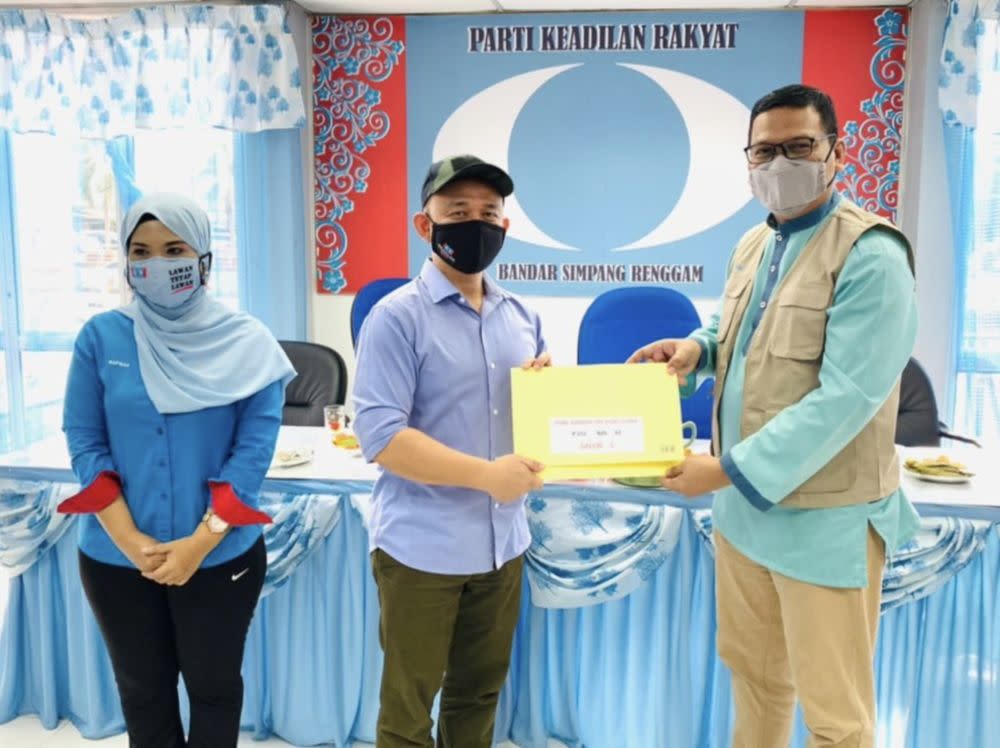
(154, 633)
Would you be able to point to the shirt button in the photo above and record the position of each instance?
(774, 268)
(763, 304)
(497, 505)
(779, 237)
(493, 365)
(496, 412)
(163, 463)
(159, 430)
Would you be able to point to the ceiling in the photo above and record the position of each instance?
(406, 7)
(495, 6)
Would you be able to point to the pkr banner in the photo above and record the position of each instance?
(623, 134)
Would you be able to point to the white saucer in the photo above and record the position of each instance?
(938, 478)
(286, 458)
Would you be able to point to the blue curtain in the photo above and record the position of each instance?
(13, 429)
(270, 218)
(121, 152)
(968, 91)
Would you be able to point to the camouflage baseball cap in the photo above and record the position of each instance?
(448, 170)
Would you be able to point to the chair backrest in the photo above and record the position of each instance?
(321, 380)
(367, 297)
(917, 424)
(618, 322)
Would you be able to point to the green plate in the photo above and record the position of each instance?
(646, 482)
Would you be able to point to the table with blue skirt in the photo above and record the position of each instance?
(615, 646)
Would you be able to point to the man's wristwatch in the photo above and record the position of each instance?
(214, 523)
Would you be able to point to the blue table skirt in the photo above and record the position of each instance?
(641, 672)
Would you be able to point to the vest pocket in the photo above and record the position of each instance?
(800, 323)
(736, 286)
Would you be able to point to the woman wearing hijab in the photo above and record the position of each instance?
(172, 410)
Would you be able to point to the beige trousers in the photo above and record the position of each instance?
(783, 638)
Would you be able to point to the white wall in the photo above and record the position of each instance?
(924, 217)
(298, 21)
(924, 214)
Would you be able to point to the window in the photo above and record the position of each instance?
(977, 390)
(202, 167)
(69, 264)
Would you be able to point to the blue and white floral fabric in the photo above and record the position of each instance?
(971, 50)
(183, 66)
(300, 523)
(943, 547)
(585, 549)
(587, 552)
(30, 525)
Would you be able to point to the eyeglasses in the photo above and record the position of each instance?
(794, 149)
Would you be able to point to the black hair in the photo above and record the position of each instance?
(144, 218)
(797, 96)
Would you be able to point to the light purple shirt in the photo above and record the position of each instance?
(428, 361)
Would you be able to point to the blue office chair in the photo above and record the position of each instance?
(367, 297)
(620, 321)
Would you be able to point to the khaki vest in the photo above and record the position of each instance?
(786, 351)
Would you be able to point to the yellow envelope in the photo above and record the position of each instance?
(602, 421)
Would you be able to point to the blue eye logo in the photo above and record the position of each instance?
(714, 188)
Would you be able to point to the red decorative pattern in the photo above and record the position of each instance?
(359, 127)
(858, 57)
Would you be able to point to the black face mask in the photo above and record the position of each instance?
(470, 246)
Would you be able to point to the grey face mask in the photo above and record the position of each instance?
(785, 186)
(166, 282)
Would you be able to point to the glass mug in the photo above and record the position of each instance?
(335, 417)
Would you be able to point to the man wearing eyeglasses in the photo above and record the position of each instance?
(816, 324)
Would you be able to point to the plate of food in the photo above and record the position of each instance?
(939, 469)
(286, 458)
(649, 481)
(346, 441)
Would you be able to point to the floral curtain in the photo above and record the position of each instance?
(231, 67)
(969, 51)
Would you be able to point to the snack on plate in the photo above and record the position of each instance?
(291, 457)
(938, 466)
(345, 441)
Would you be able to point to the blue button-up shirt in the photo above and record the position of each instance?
(870, 331)
(428, 361)
(164, 461)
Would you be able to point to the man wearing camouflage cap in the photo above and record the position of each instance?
(448, 527)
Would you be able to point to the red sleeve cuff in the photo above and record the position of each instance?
(228, 506)
(100, 494)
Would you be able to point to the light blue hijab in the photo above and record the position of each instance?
(200, 354)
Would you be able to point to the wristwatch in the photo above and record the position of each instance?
(214, 523)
